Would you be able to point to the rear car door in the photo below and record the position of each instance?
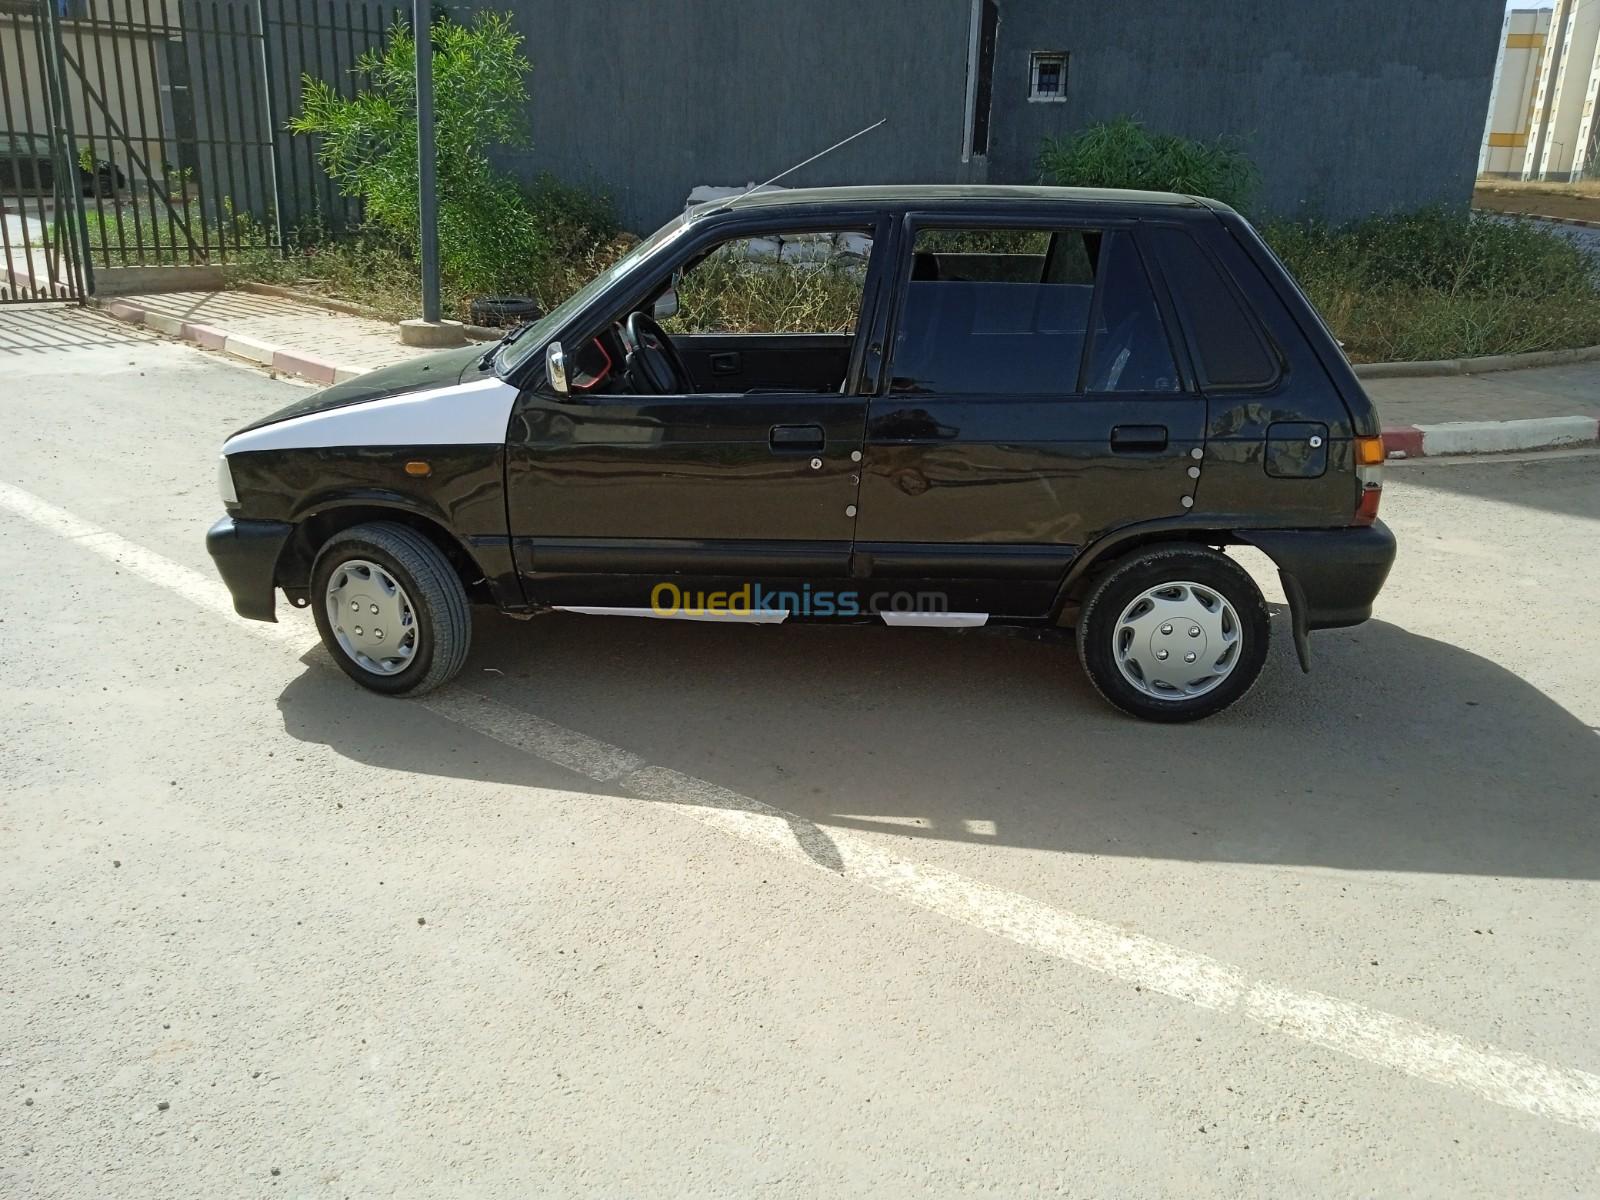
(1033, 400)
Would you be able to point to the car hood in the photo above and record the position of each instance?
(413, 375)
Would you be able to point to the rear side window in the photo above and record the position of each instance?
(1029, 312)
(1231, 349)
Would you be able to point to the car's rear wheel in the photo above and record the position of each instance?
(391, 609)
(1175, 633)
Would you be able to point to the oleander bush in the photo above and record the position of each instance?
(495, 235)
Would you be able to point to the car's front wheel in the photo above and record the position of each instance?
(391, 609)
(1174, 633)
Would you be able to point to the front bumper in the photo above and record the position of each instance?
(1331, 576)
(246, 553)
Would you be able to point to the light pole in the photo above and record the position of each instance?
(429, 330)
(427, 200)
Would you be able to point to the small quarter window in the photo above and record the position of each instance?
(1047, 76)
(1231, 352)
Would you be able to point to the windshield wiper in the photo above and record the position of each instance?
(487, 359)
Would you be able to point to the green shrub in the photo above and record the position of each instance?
(489, 236)
(1124, 154)
(579, 238)
(1442, 284)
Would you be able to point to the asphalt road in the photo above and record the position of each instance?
(642, 908)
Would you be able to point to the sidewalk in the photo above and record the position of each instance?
(1534, 392)
(1446, 414)
(1534, 408)
(298, 339)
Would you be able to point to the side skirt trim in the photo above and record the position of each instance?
(773, 616)
(944, 620)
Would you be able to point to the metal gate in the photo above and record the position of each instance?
(38, 213)
(148, 134)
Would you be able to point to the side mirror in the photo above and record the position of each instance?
(666, 305)
(555, 365)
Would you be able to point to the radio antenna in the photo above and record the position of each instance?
(858, 133)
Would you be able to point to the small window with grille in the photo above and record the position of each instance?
(1047, 76)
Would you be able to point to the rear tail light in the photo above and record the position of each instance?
(1369, 478)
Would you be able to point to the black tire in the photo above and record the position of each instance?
(1125, 582)
(438, 599)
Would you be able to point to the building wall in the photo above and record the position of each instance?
(1568, 72)
(647, 101)
(1586, 151)
(1523, 38)
(1563, 131)
(1347, 108)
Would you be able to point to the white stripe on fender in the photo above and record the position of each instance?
(1503, 1077)
(461, 414)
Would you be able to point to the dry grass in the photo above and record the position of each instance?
(379, 275)
(729, 295)
(1580, 201)
(1420, 286)
(1436, 284)
(1584, 187)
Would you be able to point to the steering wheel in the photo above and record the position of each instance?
(652, 360)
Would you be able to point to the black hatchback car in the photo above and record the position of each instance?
(928, 406)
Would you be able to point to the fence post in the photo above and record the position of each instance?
(272, 127)
(427, 201)
(61, 108)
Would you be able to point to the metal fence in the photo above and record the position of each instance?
(323, 39)
(152, 133)
(37, 179)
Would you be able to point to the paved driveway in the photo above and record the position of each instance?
(650, 909)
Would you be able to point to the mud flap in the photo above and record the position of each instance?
(1297, 619)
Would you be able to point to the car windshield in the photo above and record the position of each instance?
(518, 352)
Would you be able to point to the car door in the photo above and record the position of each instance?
(752, 480)
(1033, 400)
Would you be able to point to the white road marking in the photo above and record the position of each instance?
(1517, 1081)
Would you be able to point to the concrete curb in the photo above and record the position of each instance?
(281, 359)
(1476, 366)
(1488, 437)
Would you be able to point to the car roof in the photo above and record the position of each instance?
(944, 195)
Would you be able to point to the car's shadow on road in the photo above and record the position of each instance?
(1398, 753)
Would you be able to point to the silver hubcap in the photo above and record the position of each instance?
(1177, 640)
(372, 617)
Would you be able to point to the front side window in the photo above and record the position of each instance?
(1029, 312)
(808, 282)
(512, 357)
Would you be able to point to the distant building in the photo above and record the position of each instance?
(1347, 108)
(1562, 140)
(1511, 103)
